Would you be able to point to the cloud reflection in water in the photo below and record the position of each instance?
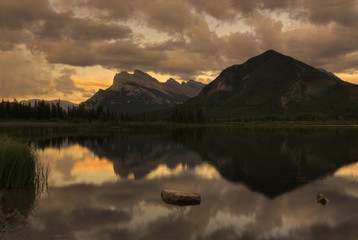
(132, 209)
(76, 164)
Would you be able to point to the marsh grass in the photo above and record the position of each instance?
(22, 180)
(19, 165)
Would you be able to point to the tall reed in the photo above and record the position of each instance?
(19, 165)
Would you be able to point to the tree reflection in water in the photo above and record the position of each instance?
(263, 185)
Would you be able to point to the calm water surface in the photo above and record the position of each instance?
(256, 183)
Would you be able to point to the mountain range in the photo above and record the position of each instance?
(279, 85)
(63, 103)
(270, 85)
(139, 92)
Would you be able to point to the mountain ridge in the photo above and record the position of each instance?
(139, 92)
(274, 84)
(63, 103)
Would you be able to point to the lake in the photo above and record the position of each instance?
(255, 183)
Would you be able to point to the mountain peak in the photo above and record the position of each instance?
(271, 52)
(262, 58)
(139, 92)
(171, 81)
(141, 73)
(272, 83)
(138, 77)
(119, 76)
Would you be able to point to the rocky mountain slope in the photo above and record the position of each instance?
(272, 84)
(139, 92)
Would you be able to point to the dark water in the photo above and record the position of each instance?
(255, 183)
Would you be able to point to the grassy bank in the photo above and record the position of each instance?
(19, 165)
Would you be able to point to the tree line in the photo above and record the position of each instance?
(187, 115)
(43, 110)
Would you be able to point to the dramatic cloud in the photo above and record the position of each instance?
(343, 12)
(125, 54)
(25, 75)
(183, 38)
(64, 83)
(32, 78)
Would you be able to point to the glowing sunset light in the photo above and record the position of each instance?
(207, 171)
(348, 171)
(68, 49)
(162, 170)
(93, 165)
(203, 170)
(76, 164)
(349, 77)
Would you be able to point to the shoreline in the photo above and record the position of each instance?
(120, 124)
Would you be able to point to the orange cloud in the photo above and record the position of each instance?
(92, 84)
(93, 165)
(95, 39)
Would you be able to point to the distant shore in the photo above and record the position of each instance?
(119, 124)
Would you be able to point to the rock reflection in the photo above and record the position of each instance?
(180, 198)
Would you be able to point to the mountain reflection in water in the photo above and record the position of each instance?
(270, 161)
(254, 183)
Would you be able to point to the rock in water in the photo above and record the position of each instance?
(180, 198)
(322, 199)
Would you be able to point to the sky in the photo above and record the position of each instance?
(69, 49)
